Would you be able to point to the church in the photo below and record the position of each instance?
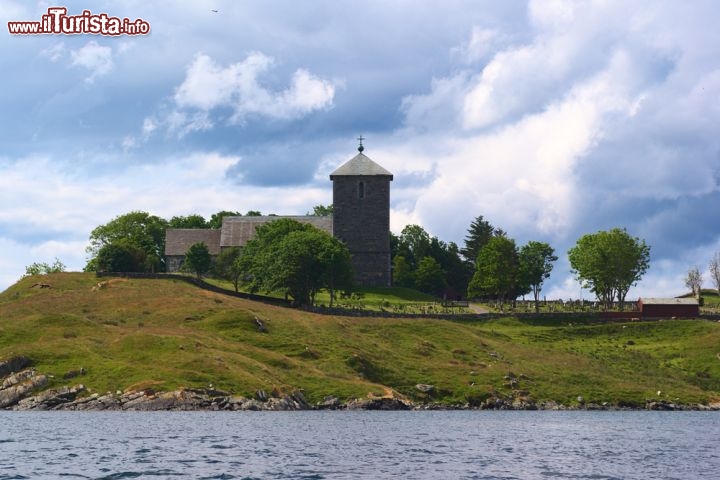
(360, 219)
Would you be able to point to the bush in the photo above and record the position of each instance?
(43, 268)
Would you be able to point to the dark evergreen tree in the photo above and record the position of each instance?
(479, 234)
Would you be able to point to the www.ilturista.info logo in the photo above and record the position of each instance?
(58, 22)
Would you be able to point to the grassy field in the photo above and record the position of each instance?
(165, 334)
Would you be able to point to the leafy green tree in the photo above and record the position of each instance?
(138, 228)
(429, 276)
(296, 259)
(191, 221)
(414, 244)
(536, 263)
(479, 234)
(336, 263)
(224, 266)
(43, 268)
(322, 211)
(403, 275)
(121, 256)
(457, 272)
(217, 218)
(609, 263)
(198, 259)
(253, 213)
(496, 270)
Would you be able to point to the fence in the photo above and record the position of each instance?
(598, 316)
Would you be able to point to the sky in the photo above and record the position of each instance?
(552, 119)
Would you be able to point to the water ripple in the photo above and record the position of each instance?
(355, 445)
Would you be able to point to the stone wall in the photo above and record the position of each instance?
(173, 263)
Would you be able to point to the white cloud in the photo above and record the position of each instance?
(13, 261)
(94, 57)
(482, 42)
(13, 11)
(149, 126)
(524, 171)
(555, 14)
(181, 123)
(208, 86)
(129, 142)
(56, 52)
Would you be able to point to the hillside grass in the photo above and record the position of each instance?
(166, 334)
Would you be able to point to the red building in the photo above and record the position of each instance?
(668, 307)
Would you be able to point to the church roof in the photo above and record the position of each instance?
(179, 240)
(236, 231)
(360, 165)
(669, 301)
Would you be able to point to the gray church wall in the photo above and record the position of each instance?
(361, 219)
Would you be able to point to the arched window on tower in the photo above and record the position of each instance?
(361, 190)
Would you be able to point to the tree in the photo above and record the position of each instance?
(693, 281)
(336, 262)
(217, 218)
(138, 228)
(609, 263)
(121, 256)
(496, 270)
(322, 211)
(225, 266)
(253, 213)
(457, 272)
(43, 268)
(715, 271)
(296, 259)
(198, 259)
(191, 221)
(429, 276)
(414, 244)
(479, 234)
(402, 273)
(536, 263)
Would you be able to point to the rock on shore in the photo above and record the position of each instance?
(23, 388)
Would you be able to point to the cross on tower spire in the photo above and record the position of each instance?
(360, 147)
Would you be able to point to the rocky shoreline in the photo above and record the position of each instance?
(22, 389)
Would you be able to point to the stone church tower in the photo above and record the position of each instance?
(361, 217)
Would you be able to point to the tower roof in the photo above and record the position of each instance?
(360, 165)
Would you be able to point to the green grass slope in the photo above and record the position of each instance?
(167, 334)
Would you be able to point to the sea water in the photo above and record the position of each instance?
(360, 444)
